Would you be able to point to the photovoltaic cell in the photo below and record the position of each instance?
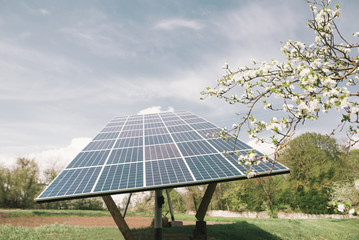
(129, 142)
(211, 166)
(128, 127)
(204, 125)
(115, 124)
(186, 136)
(170, 118)
(158, 139)
(105, 136)
(128, 134)
(167, 171)
(134, 122)
(99, 145)
(175, 123)
(155, 131)
(120, 176)
(72, 181)
(181, 128)
(196, 148)
(210, 133)
(85, 159)
(195, 120)
(112, 129)
(189, 116)
(161, 152)
(145, 152)
(154, 125)
(229, 145)
(149, 120)
(126, 155)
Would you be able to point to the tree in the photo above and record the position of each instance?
(314, 160)
(317, 164)
(312, 81)
(5, 187)
(19, 187)
(177, 202)
(192, 198)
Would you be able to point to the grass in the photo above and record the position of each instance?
(277, 229)
(55, 232)
(62, 213)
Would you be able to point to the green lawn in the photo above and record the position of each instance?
(238, 229)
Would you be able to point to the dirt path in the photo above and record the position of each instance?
(133, 222)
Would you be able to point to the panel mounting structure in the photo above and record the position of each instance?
(153, 151)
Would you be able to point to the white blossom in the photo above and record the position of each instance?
(341, 207)
(252, 156)
(287, 107)
(355, 109)
(314, 106)
(328, 82)
(305, 72)
(345, 103)
(251, 174)
(303, 109)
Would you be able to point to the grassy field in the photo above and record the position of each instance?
(238, 229)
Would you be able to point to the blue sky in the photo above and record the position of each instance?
(68, 67)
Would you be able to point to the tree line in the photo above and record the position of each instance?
(323, 177)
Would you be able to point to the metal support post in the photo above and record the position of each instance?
(128, 202)
(201, 212)
(116, 215)
(200, 232)
(159, 200)
(169, 204)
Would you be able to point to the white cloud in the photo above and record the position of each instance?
(39, 11)
(255, 21)
(44, 11)
(172, 24)
(59, 157)
(155, 109)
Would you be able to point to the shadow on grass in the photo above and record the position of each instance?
(239, 230)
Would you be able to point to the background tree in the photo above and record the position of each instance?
(19, 186)
(312, 81)
(321, 177)
(316, 162)
(176, 202)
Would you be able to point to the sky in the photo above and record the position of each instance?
(68, 67)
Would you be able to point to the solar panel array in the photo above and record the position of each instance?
(145, 152)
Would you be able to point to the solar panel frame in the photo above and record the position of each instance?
(151, 151)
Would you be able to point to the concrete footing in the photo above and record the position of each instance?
(200, 233)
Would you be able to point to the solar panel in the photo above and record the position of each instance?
(151, 151)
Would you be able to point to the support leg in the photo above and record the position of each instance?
(201, 212)
(169, 204)
(128, 202)
(200, 233)
(116, 215)
(159, 200)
